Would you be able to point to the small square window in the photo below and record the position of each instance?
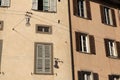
(114, 77)
(43, 29)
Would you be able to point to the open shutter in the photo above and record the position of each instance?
(77, 41)
(95, 76)
(39, 60)
(46, 5)
(80, 75)
(75, 7)
(118, 48)
(1, 46)
(113, 18)
(88, 8)
(53, 5)
(92, 44)
(48, 58)
(5, 3)
(35, 4)
(102, 14)
(107, 47)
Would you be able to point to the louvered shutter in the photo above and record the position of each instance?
(92, 44)
(95, 76)
(5, 3)
(46, 5)
(80, 75)
(102, 14)
(75, 7)
(107, 47)
(35, 4)
(77, 41)
(48, 58)
(118, 48)
(88, 8)
(53, 5)
(39, 58)
(1, 45)
(113, 18)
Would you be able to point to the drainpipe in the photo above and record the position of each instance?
(71, 42)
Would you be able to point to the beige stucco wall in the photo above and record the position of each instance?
(98, 63)
(18, 44)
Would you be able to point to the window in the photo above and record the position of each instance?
(114, 77)
(44, 5)
(1, 25)
(112, 48)
(43, 58)
(85, 43)
(5, 3)
(82, 9)
(108, 16)
(1, 45)
(87, 75)
(43, 29)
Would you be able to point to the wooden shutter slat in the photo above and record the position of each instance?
(107, 47)
(75, 7)
(95, 76)
(88, 8)
(118, 48)
(35, 4)
(77, 41)
(102, 14)
(92, 44)
(113, 17)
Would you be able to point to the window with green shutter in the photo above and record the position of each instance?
(43, 58)
(5, 3)
(44, 5)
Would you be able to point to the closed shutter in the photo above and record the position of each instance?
(77, 41)
(88, 8)
(48, 58)
(113, 18)
(5, 3)
(53, 5)
(102, 14)
(95, 76)
(35, 4)
(92, 44)
(1, 46)
(46, 5)
(111, 77)
(80, 75)
(118, 48)
(107, 47)
(75, 7)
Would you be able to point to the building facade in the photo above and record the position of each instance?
(34, 40)
(95, 27)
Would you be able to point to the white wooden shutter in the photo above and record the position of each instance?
(39, 60)
(35, 4)
(5, 3)
(53, 6)
(45, 5)
(48, 58)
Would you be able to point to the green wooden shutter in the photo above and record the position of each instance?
(35, 4)
(53, 6)
(45, 5)
(5, 3)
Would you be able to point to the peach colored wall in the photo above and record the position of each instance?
(18, 45)
(98, 63)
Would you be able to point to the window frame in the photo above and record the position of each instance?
(39, 25)
(112, 76)
(35, 47)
